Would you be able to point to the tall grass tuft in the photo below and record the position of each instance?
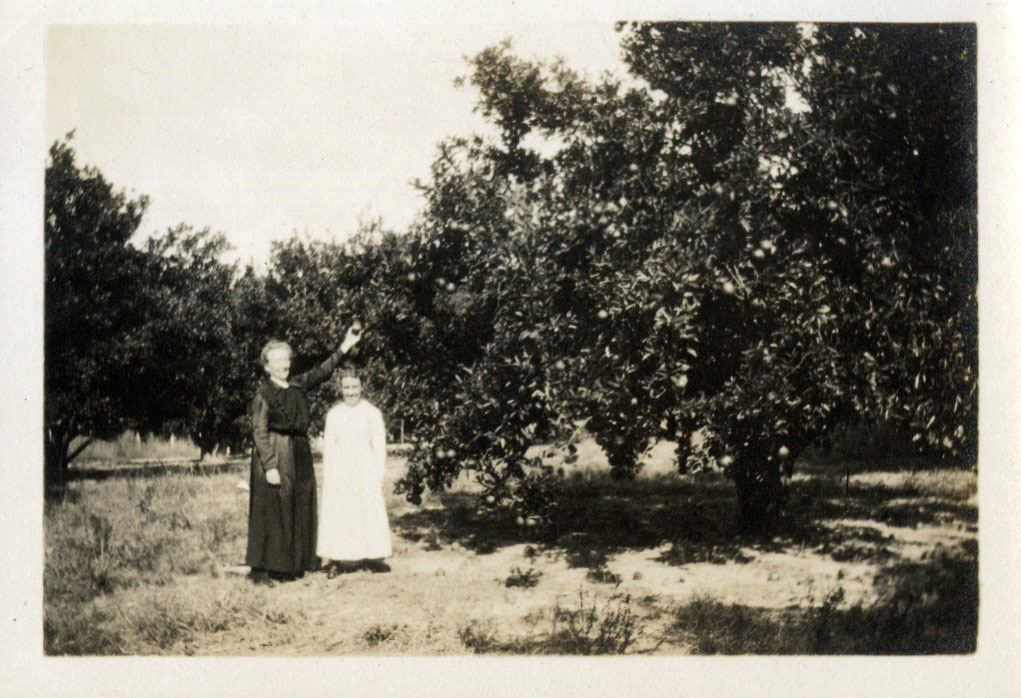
(586, 629)
(593, 629)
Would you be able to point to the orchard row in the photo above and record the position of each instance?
(694, 255)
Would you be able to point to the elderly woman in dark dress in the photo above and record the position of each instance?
(282, 504)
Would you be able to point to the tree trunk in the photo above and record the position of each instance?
(55, 460)
(57, 457)
(760, 499)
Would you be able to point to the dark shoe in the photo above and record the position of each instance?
(346, 567)
(261, 578)
(376, 566)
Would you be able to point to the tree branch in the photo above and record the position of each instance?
(78, 450)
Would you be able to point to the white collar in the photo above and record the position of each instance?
(277, 381)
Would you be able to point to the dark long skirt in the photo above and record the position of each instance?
(282, 519)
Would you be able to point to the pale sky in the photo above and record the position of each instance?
(261, 131)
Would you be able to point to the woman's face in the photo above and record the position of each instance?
(278, 363)
(351, 389)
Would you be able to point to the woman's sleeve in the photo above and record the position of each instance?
(260, 432)
(330, 444)
(317, 375)
(378, 442)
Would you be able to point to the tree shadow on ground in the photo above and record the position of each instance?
(928, 607)
(597, 518)
(904, 503)
(695, 515)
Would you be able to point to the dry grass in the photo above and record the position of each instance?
(130, 446)
(136, 561)
(929, 608)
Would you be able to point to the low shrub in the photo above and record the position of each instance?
(380, 634)
(523, 579)
(593, 629)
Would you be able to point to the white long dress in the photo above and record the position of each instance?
(353, 524)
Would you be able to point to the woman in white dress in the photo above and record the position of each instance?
(353, 524)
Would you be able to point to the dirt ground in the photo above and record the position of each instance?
(654, 545)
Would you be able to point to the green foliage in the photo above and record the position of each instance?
(767, 232)
(93, 306)
(699, 254)
(200, 383)
(144, 338)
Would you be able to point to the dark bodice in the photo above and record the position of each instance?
(285, 410)
(288, 408)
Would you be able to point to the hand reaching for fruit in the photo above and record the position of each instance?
(354, 334)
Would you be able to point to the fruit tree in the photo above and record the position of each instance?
(766, 231)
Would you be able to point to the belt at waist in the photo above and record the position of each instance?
(289, 432)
